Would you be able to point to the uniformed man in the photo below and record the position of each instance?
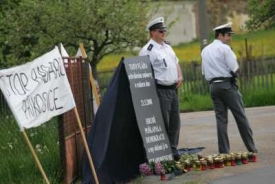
(219, 66)
(168, 77)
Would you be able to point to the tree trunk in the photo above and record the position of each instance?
(94, 71)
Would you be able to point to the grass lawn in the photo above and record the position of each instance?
(17, 164)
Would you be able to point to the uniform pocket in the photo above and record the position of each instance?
(161, 62)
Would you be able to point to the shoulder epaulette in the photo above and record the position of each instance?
(150, 47)
(167, 42)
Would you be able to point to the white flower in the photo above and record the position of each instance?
(38, 146)
(39, 150)
(10, 145)
(46, 148)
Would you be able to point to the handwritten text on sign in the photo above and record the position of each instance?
(147, 109)
(38, 90)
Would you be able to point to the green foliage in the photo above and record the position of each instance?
(251, 98)
(103, 26)
(169, 166)
(195, 102)
(260, 97)
(261, 13)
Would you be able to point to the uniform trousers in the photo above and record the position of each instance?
(224, 96)
(169, 103)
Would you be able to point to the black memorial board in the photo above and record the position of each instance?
(147, 109)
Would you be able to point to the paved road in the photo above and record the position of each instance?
(199, 129)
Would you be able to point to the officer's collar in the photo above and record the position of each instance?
(217, 40)
(156, 44)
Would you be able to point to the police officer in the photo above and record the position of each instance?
(219, 65)
(168, 77)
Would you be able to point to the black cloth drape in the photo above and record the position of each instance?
(114, 140)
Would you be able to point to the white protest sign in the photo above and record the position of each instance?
(37, 90)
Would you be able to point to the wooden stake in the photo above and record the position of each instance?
(94, 88)
(86, 146)
(35, 156)
(83, 52)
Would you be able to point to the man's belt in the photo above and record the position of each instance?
(221, 79)
(173, 86)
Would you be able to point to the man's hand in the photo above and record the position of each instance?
(180, 80)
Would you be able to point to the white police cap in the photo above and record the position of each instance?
(225, 28)
(158, 23)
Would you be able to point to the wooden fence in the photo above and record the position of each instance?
(254, 74)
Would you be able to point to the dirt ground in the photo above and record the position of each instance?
(199, 129)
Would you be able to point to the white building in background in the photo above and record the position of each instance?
(184, 27)
(184, 15)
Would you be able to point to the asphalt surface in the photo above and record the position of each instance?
(199, 129)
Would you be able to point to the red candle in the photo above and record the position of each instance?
(162, 175)
(217, 163)
(244, 161)
(188, 167)
(233, 163)
(212, 166)
(221, 163)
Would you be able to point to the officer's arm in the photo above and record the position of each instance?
(231, 60)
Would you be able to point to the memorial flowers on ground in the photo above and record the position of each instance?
(198, 162)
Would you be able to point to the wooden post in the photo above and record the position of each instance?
(83, 52)
(35, 156)
(86, 146)
(94, 88)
